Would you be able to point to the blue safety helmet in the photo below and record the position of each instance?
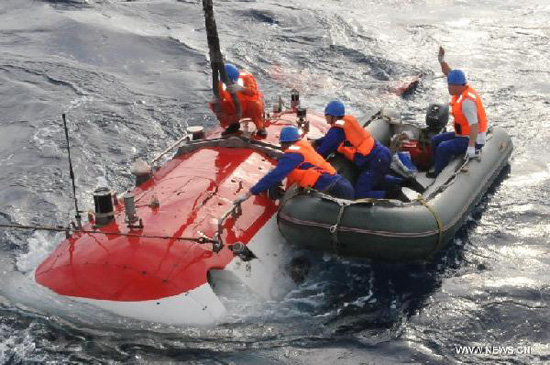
(289, 134)
(335, 108)
(232, 72)
(456, 77)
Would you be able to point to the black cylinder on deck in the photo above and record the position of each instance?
(103, 202)
(294, 98)
(196, 132)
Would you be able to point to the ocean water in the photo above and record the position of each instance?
(131, 75)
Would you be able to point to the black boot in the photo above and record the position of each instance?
(431, 175)
(262, 133)
(411, 183)
(233, 128)
(397, 193)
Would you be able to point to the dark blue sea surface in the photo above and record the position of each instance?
(131, 75)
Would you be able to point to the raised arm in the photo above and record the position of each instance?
(445, 68)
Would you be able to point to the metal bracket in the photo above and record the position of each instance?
(217, 245)
(140, 225)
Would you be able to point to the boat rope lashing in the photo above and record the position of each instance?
(437, 219)
(336, 244)
(373, 117)
(461, 168)
(367, 201)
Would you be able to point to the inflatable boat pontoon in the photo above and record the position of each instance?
(392, 230)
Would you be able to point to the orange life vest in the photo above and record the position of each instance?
(360, 139)
(308, 177)
(248, 82)
(462, 128)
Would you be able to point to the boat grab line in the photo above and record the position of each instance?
(356, 230)
(437, 219)
(334, 229)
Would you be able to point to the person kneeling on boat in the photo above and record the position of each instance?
(300, 164)
(470, 121)
(250, 99)
(357, 145)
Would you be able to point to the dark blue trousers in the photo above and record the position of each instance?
(373, 169)
(342, 189)
(445, 146)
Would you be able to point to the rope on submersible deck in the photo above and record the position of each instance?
(200, 240)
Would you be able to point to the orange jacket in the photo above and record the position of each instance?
(360, 139)
(252, 93)
(308, 177)
(462, 128)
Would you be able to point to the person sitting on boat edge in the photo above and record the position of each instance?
(470, 120)
(300, 164)
(250, 98)
(357, 145)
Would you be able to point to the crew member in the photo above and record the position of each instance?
(470, 120)
(301, 165)
(250, 99)
(357, 145)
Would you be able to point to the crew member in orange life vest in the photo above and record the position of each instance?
(470, 120)
(356, 144)
(250, 98)
(300, 164)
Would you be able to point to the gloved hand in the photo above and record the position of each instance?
(471, 152)
(441, 55)
(241, 199)
(276, 192)
(235, 88)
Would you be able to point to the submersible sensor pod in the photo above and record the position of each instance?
(130, 208)
(131, 215)
(103, 202)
